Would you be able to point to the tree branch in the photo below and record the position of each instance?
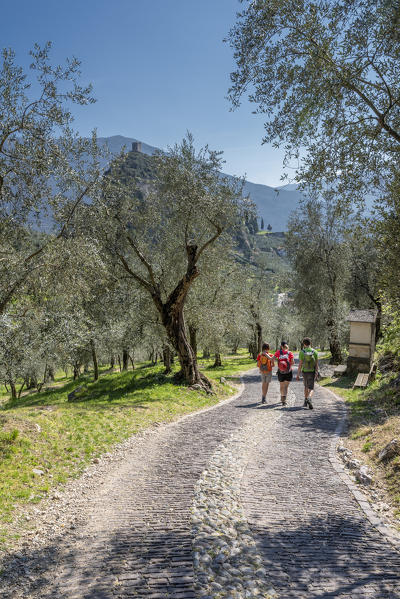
(5, 300)
(349, 85)
(210, 241)
(143, 261)
(140, 255)
(22, 124)
(134, 275)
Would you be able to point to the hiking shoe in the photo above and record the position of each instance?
(283, 402)
(263, 400)
(310, 405)
(305, 404)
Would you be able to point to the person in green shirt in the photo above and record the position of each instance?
(308, 364)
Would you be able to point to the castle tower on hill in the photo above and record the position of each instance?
(137, 146)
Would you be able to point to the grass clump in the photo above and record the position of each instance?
(8, 444)
(367, 446)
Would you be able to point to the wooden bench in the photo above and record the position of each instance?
(361, 380)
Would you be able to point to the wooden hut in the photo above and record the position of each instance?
(362, 340)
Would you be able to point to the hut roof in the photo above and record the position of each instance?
(362, 316)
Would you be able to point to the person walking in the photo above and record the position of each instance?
(285, 360)
(308, 365)
(265, 362)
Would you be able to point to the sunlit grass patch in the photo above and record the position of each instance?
(46, 439)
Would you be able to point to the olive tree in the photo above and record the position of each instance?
(46, 170)
(325, 75)
(320, 258)
(159, 233)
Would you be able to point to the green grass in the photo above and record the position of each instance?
(377, 401)
(343, 387)
(231, 365)
(367, 446)
(46, 432)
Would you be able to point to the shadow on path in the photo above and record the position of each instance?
(329, 556)
(314, 541)
(133, 563)
(323, 558)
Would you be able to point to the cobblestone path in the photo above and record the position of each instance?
(314, 539)
(136, 538)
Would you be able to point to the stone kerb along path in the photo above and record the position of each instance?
(235, 502)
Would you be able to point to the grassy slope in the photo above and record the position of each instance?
(44, 431)
(374, 421)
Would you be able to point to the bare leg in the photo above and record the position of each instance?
(264, 389)
(310, 393)
(284, 387)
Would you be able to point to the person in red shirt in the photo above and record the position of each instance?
(285, 360)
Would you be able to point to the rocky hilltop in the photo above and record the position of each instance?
(274, 205)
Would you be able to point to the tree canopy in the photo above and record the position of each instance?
(325, 74)
(46, 169)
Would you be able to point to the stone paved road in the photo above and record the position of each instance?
(136, 540)
(314, 539)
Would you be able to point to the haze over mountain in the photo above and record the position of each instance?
(273, 204)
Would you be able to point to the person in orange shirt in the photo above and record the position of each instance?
(265, 362)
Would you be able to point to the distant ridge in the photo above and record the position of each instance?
(274, 204)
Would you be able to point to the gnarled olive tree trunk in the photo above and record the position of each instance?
(255, 348)
(167, 359)
(174, 322)
(94, 358)
(193, 338)
(13, 389)
(172, 316)
(125, 358)
(218, 360)
(334, 344)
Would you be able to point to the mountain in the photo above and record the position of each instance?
(273, 204)
(115, 143)
(255, 249)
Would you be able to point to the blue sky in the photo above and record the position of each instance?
(158, 67)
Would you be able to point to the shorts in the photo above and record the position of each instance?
(308, 379)
(285, 376)
(266, 377)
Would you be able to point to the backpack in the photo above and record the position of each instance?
(265, 362)
(284, 362)
(309, 359)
